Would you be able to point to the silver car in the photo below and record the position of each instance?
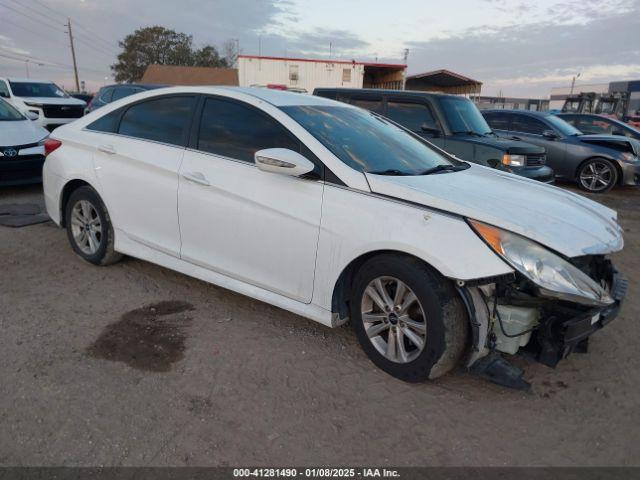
(596, 163)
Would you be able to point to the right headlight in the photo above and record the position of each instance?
(514, 160)
(554, 276)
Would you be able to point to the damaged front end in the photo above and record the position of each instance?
(546, 309)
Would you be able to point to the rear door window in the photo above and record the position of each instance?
(106, 95)
(527, 124)
(497, 121)
(122, 92)
(411, 115)
(164, 119)
(373, 104)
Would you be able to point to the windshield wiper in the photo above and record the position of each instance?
(390, 171)
(444, 167)
(468, 132)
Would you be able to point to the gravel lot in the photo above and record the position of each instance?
(244, 383)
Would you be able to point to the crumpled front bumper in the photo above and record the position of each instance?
(562, 336)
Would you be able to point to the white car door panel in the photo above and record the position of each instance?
(140, 179)
(258, 227)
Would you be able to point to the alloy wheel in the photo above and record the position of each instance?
(86, 227)
(393, 319)
(596, 176)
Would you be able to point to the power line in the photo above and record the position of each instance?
(29, 16)
(46, 63)
(93, 35)
(35, 19)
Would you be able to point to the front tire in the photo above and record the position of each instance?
(89, 227)
(409, 320)
(597, 175)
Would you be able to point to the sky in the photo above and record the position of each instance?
(515, 47)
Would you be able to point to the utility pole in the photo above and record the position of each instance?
(573, 83)
(26, 64)
(73, 55)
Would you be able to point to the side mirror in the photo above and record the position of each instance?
(283, 161)
(618, 132)
(32, 115)
(4, 94)
(430, 129)
(550, 134)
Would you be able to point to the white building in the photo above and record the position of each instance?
(308, 74)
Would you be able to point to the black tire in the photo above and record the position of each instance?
(104, 254)
(594, 167)
(447, 324)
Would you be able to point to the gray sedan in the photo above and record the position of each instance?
(595, 162)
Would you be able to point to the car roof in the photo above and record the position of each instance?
(146, 86)
(279, 98)
(531, 113)
(388, 91)
(27, 80)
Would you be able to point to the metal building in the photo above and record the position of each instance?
(305, 74)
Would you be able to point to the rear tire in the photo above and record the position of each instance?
(89, 228)
(413, 340)
(597, 175)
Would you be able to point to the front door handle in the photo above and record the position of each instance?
(108, 149)
(196, 177)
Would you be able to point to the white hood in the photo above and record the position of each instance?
(21, 132)
(562, 221)
(54, 101)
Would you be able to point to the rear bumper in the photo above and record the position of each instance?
(630, 173)
(21, 172)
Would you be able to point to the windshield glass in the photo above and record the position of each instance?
(367, 142)
(37, 89)
(562, 126)
(8, 113)
(463, 116)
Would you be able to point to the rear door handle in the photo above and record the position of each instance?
(108, 149)
(196, 177)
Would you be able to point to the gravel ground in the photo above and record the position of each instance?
(242, 383)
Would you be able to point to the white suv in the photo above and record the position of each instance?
(335, 213)
(43, 98)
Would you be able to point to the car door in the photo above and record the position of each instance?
(531, 129)
(417, 116)
(257, 227)
(137, 166)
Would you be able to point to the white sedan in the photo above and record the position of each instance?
(335, 213)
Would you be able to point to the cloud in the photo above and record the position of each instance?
(527, 59)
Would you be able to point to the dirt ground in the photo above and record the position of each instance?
(242, 383)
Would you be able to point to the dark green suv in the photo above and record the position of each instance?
(451, 122)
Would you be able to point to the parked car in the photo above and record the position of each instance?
(85, 97)
(49, 102)
(21, 147)
(589, 124)
(334, 212)
(451, 122)
(595, 162)
(111, 93)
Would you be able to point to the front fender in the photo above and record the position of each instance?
(356, 223)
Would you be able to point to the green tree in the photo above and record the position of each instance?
(160, 45)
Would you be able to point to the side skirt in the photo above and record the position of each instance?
(134, 249)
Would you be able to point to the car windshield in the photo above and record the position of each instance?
(369, 143)
(563, 127)
(463, 116)
(37, 89)
(8, 113)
